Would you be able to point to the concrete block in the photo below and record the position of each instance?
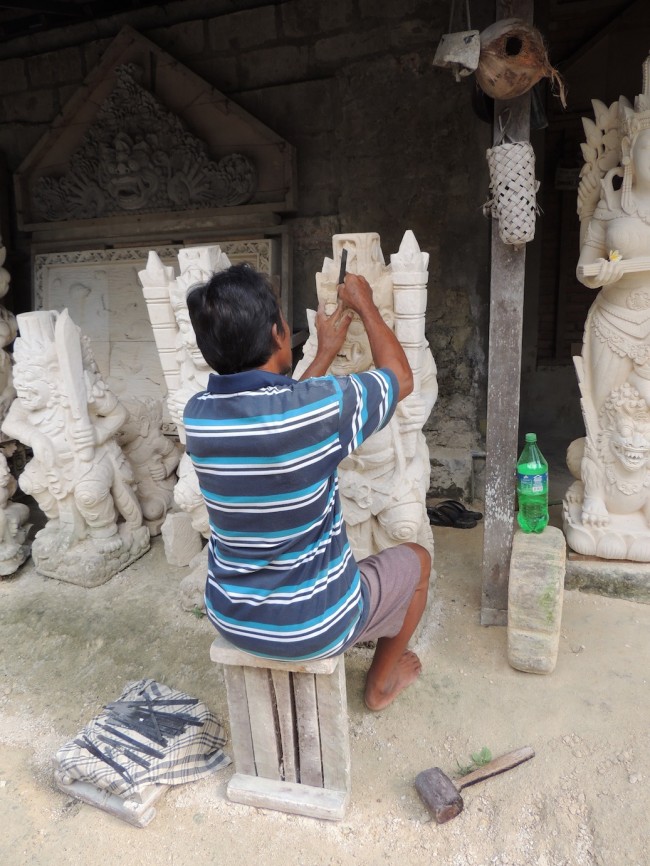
(35, 106)
(56, 67)
(13, 77)
(535, 596)
(243, 31)
(613, 578)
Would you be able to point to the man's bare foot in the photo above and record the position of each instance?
(405, 672)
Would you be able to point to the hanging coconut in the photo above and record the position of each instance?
(513, 59)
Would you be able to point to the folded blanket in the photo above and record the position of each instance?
(152, 735)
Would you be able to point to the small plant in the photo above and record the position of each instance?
(478, 759)
(198, 612)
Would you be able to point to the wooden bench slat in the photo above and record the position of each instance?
(334, 732)
(240, 726)
(262, 721)
(287, 724)
(310, 764)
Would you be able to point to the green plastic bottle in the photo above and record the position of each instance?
(532, 487)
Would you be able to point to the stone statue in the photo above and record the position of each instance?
(78, 476)
(384, 483)
(8, 331)
(13, 523)
(186, 372)
(607, 509)
(153, 458)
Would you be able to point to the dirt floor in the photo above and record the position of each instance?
(582, 800)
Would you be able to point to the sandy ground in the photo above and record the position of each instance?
(582, 800)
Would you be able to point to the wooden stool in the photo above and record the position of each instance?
(289, 729)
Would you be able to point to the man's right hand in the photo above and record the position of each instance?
(355, 294)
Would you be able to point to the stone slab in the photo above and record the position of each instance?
(610, 577)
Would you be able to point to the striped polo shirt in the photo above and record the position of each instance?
(282, 581)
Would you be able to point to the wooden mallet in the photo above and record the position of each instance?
(442, 797)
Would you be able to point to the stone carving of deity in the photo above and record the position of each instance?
(79, 476)
(607, 509)
(384, 483)
(184, 368)
(14, 527)
(153, 458)
(8, 331)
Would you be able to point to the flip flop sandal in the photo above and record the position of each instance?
(461, 509)
(449, 517)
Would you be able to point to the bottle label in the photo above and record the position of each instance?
(532, 483)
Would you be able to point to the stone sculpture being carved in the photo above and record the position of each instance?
(384, 483)
(78, 476)
(184, 367)
(607, 509)
(14, 527)
(153, 458)
(137, 157)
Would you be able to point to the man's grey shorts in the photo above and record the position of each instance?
(390, 579)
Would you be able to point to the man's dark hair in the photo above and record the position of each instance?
(233, 315)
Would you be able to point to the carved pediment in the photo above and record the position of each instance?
(138, 157)
(145, 135)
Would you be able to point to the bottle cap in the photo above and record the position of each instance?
(531, 437)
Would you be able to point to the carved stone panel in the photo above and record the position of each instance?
(101, 290)
(145, 135)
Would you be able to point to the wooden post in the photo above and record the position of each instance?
(504, 372)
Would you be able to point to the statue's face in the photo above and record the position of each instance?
(32, 386)
(354, 355)
(127, 168)
(188, 338)
(630, 445)
(641, 156)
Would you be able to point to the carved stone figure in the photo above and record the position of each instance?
(184, 367)
(14, 527)
(8, 331)
(138, 157)
(78, 476)
(607, 511)
(383, 484)
(153, 458)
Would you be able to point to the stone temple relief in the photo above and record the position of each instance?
(383, 484)
(607, 509)
(79, 476)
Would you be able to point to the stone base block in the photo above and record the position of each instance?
(611, 577)
(137, 810)
(535, 596)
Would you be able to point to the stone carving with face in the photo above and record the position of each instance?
(383, 484)
(78, 476)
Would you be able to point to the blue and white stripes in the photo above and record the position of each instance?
(282, 580)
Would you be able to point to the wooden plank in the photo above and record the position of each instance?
(225, 653)
(282, 687)
(309, 745)
(334, 732)
(288, 797)
(261, 710)
(240, 726)
(504, 373)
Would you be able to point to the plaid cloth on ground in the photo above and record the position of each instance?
(186, 757)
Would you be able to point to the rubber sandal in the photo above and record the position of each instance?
(467, 512)
(449, 517)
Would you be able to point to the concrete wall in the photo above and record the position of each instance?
(385, 142)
